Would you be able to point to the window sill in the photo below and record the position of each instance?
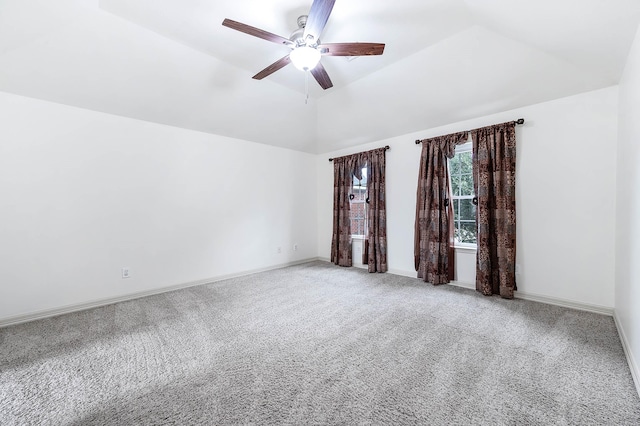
(466, 249)
(358, 237)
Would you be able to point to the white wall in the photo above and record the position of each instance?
(627, 299)
(83, 194)
(565, 189)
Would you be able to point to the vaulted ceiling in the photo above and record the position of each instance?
(172, 62)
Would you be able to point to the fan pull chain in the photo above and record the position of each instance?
(306, 86)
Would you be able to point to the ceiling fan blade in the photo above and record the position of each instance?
(318, 17)
(280, 63)
(256, 32)
(351, 49)
(321, 76)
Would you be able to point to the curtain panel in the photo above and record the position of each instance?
(494, 181)
(433, 234)
(376, 210)
(344, 169)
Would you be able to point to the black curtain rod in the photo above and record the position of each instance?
(518, 121)
(385, 148)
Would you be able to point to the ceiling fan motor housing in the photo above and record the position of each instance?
(298, 35)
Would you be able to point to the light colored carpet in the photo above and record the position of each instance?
(317, 344)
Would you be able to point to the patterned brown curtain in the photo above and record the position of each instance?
(343, 170)
(377, 210)
(494, 181)
(433, 250)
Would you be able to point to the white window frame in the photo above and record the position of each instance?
(465, 147)
(354, 201)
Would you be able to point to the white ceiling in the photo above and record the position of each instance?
(172, 62)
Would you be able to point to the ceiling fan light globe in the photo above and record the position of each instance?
(305, 58)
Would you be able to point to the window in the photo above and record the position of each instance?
(358, 205)
(464, 211)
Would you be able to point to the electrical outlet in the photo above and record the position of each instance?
(518, 269)
(279, 250)
(126, 273)
(295, 247)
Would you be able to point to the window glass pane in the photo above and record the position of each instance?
(454, 165)
(466, 209)
(461, 170)
(466, 233)
(358, 218)
(359, 194)
(362, 182)
(457, 232)
(455, 185)
(465, 162)
(466, 185)
(358, 209)
(357, 227)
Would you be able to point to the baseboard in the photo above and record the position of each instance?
(402, 273)
(631, 360)
(468, 286)
(597, 309)
(47, 313)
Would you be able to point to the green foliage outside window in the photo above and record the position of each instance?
(460, 169)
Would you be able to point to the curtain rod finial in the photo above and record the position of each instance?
(520, 121)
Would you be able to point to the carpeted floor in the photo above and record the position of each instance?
(317, 344)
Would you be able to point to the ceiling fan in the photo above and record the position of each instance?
(305, 45)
